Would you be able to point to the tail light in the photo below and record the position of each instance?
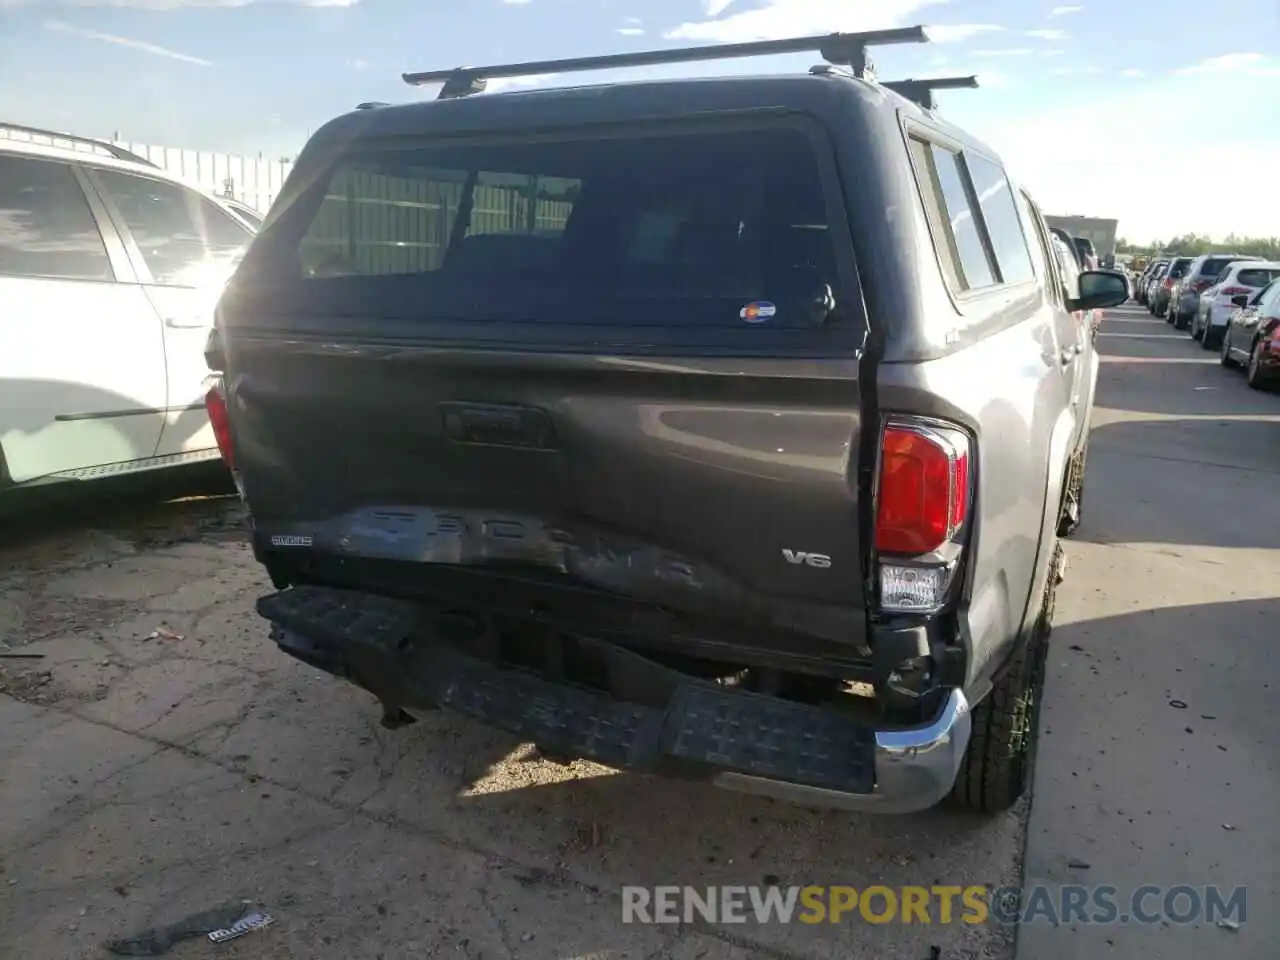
(1235, 291)
(923, 498)
(1201, 285)
(215, 402)
(1168, 283)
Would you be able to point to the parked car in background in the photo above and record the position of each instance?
(109, 272)
(507, 513)
(1252, 337)
(1243, 278)
(1163, 290)
(1088, 256)
(1149, 281)
(245, 212)
(1201, 274)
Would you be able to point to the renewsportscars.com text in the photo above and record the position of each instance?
(943, 904)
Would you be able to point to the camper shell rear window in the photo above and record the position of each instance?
(733, 228)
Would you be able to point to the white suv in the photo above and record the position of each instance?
(110, 269)
(1240, 278)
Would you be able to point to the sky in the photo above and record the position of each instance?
(1162, 113)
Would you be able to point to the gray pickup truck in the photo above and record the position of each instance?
(723, 428)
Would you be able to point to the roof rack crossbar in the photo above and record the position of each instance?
(921, 91)
(845, 49)
(120, 153)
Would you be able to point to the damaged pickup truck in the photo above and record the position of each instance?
(716, 428)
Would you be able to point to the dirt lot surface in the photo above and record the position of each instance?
(164, 758)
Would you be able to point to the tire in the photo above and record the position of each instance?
(1000, 759)
(1196, 332)
(1253, 373)
(1209, 339)
(1224, 351)
(1073, 493)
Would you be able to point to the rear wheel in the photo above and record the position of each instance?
(1073, 493)
(998, 764)
(1196, 330)
(1255, 376)
(1225, 353)
(1210, 338)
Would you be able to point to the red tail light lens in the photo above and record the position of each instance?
(923, 496)
(1200, 285)
(216, 404)
(1235, 291)
(1168, 283)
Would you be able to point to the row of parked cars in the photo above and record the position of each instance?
(1228, 302)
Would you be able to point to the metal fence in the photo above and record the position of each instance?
(373, 223)
(256, 181)
(253, 180)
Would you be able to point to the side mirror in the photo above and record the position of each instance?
(1241, 301)
(1099, 289)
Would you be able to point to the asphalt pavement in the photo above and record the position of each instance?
(1159, 763)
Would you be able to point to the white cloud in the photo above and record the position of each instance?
(500, 84)
(1049, 34)
(59, 26)
(172, 4)
(716, 7)
(1133, 72)
(1226, 63)
(1029, 140)
(516, 3)
(1005, 52)
(791, 18)
(957, 32)
(1065, 11)
(631, 31)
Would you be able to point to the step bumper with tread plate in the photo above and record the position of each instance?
(738, 740)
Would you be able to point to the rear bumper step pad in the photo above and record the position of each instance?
(743, 740)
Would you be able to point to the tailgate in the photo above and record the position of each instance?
(658, 479)
(627, 357)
